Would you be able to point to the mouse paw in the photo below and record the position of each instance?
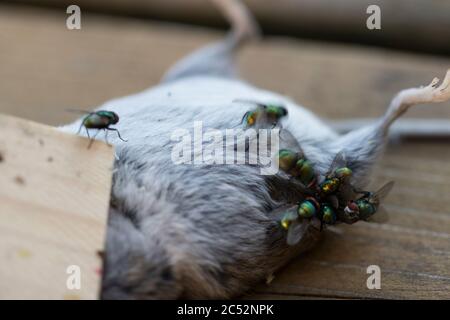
(433, 93)
(440, 93)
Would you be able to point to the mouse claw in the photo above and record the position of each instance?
(442, 93)
(435, 92)
(434, 82)
(438, 93)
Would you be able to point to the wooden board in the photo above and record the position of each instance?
(54, 199)
(412, 248)
(112, 57)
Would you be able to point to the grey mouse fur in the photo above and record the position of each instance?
(211, 231)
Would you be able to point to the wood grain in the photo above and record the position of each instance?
(47, 68)
(54, 199)
(412, 249)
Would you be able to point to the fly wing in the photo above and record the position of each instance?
(80, 111)
(296, 232)
(383, 191)
(256, 103)
(339, 161)
(381, 216)
(347, 193)
(288, 141)
(334, 201)
(296, 228)
(243, 118)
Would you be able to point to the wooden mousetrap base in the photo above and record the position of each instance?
(54, 198)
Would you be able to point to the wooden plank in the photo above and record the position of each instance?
(54, 196)
(412, 248)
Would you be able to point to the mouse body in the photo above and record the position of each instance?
(209, 230)
(197, 230)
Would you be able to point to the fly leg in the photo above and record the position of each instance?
(118, 133)
(91, 141)
(81, 126)
(106, 136)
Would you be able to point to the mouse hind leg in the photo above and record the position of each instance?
(217, 59)
(363, 146)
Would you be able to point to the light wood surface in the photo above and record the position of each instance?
(47, 68)
(54, 199)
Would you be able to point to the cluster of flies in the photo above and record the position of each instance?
(331, 198)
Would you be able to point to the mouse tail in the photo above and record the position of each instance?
(403, 128)
(217, 59)
(243, 24)
(363, 146)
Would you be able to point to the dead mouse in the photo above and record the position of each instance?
(209, 231)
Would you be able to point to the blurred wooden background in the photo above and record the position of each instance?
(46, 69)
(419, 25)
